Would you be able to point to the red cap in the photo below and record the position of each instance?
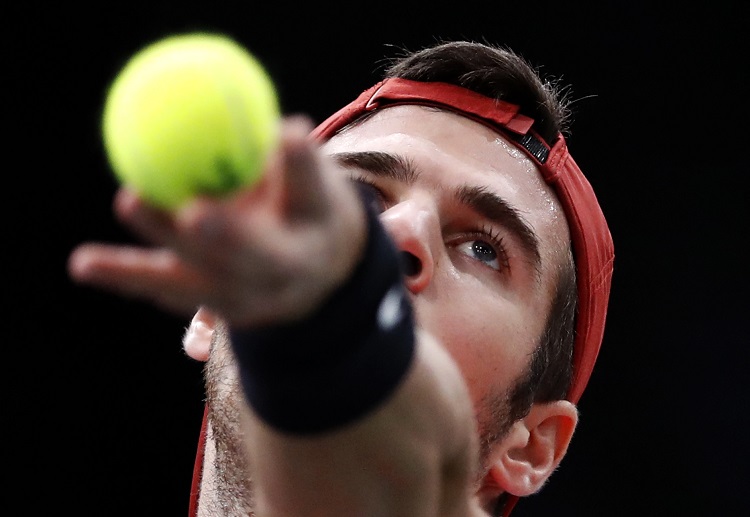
(593, 248)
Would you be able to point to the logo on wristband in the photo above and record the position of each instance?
(390, 312)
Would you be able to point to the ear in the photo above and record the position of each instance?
(196, 342)
(531, 451)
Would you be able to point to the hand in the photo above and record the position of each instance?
(269, 253)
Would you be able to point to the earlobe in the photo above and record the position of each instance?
(196, 342)
(533, 448)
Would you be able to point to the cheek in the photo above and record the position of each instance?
(486, 337)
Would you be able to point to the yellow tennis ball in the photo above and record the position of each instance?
(191, 114)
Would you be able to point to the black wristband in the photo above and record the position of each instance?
(344, 360)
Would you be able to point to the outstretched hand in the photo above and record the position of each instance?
(266, 254)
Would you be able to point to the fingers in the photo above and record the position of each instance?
(259, 224)
(182, 230)
(290, 191)
(156, 275)
(151, 224)
(302, 175)
(264, 253)
(202, 233)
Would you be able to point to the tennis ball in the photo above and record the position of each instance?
(190, 114)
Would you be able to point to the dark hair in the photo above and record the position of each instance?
(495, 72)
(499, 73)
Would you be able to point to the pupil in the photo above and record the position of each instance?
(484, 251)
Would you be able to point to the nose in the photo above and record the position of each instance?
(414, 227)
(411, 264)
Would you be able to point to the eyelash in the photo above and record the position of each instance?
(484, 232)
(365, 186)
(492, 237)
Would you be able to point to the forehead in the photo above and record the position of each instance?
(445, 141)
(452, 150)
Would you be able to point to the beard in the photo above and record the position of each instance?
(230, 492)
(493, 423)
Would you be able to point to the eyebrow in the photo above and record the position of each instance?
(498, 210)
(382, 164)
(490, 205)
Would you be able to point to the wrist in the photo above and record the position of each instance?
(341, 361)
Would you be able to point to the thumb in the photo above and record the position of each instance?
(302, 170)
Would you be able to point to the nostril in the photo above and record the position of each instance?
(410, 263)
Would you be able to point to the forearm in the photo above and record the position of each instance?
(412, 455)
(343, 360)
(352, 415)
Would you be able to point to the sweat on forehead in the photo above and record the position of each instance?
(592, 242)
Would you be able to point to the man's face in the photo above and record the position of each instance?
(487, 232)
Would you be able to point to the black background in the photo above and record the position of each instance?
(103, 409)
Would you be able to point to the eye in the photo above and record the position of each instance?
(487, 247)
(371, 194)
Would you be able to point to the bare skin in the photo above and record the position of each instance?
(269, 253)
(273, 253)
